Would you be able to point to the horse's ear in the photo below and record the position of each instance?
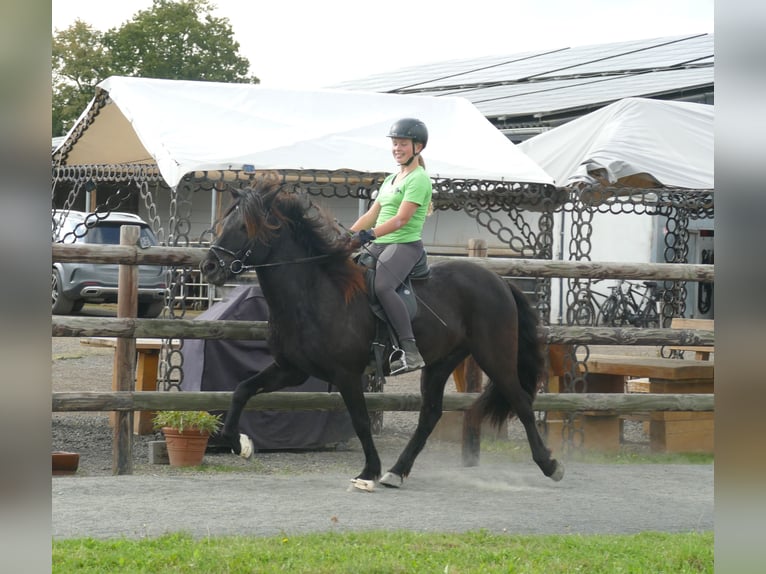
(303, 200)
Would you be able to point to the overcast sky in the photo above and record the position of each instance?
(317, 43)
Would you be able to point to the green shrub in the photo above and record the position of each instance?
(198, 420)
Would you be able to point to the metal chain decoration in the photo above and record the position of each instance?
(151, 207)
(112, 203)
(171, 374)
(544, 250)
(574, 373)
(676, 239)
(74, 192)
(482, 200)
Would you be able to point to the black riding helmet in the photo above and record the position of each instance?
(410, 128)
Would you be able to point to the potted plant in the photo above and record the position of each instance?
(186, 434)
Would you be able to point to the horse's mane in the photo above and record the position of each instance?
(267, 207)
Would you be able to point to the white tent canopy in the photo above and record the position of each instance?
(670, 141)
(186, 126)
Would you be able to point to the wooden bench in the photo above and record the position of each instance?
(700, 353)
(668, 431)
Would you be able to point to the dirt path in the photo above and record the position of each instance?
(297, 492)
(508, 498)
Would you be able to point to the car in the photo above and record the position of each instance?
(75, 284)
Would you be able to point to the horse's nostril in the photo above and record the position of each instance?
(207, 267)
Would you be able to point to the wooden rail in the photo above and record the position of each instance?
(207, 400)
(507, 267)
(258, 330)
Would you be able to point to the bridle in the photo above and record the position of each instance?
(238, 266)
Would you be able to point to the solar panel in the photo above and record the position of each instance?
(540, 82)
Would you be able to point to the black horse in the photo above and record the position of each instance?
(321, 323)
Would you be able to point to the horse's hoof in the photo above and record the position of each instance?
(361, 484)
(391, 480)
(246, 446)
(558, 474)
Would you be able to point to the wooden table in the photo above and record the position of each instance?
(147, 363)
(668, 431)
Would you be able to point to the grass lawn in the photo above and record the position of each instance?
(393, 552)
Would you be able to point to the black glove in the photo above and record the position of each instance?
(362, 237)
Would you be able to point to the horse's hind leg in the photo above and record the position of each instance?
(272, 378)
(541, 454)
(504, 396)
(432, 381)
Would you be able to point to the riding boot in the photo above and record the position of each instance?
(410, 360)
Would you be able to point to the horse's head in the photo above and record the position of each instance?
(243, 233)
(268, 225)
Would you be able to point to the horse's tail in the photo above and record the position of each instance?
(492, 403)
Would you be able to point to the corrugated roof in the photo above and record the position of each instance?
(553, 81)
(555, 95)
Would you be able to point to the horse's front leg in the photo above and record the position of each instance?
(352, 391)
(272, 378)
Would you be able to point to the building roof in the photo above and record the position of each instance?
(550, 87)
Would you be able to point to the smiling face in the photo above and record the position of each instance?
(403, 149)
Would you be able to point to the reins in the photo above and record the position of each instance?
(238, 266)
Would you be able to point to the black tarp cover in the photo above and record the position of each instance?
(218, 365)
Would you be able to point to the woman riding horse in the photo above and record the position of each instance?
(394, 225)
(321, 323)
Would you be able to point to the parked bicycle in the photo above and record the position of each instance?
(626, 304)
(586, 308)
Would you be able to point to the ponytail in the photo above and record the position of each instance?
(422, 164)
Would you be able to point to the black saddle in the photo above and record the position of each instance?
(386, 343)
(420, 271)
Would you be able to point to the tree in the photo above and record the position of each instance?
(79, 61)
(177, 40)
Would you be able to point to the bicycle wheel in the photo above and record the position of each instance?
(608, 315)
(581, 313)
(650, 318)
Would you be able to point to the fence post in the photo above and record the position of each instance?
(125, 358)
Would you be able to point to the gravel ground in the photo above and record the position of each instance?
(78, 367)
(281, 493)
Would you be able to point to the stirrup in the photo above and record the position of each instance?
(396, 361)
(400, 364)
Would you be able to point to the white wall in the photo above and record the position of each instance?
(623, 238)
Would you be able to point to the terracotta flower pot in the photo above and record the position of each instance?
(65, 462)
(185, 448)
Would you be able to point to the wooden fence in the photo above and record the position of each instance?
(207, 400)
(124, 327)
(508, 267)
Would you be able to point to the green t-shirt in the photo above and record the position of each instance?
(416, 188)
